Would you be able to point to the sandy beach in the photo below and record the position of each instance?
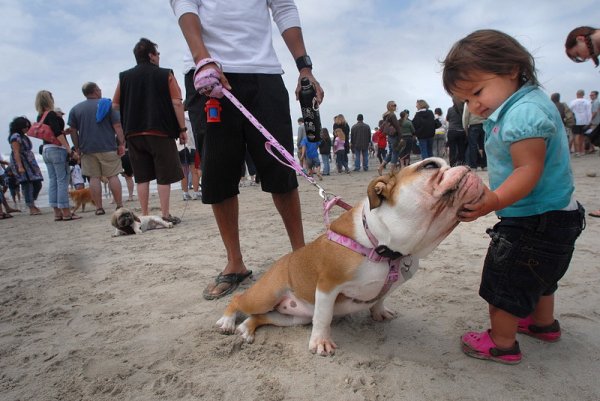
(84, 316)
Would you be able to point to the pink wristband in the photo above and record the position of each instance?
(206, 61)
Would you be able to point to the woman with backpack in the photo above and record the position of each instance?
(391, 128)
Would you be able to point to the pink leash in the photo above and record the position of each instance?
(289, 159)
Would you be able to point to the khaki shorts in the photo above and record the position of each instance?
(102, 164)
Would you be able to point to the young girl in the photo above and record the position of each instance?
(531, 191)
(341, 160)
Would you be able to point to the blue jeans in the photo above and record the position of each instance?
(31, 190)
(426, 146)
(58, 176)
(325, 162)
(392, 156)
(364, 154)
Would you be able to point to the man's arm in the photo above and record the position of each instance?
(295, 43)
(74, 137)
(120, 138)
(177, 101)
(192, 32)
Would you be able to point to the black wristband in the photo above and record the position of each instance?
(182, 129)
(303, 62)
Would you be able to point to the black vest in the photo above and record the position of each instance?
(145, 102)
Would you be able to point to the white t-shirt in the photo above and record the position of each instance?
(582, 109)
(238, 33)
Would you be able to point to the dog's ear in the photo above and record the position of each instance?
(136, 217)
(114, 218)
(379, 189)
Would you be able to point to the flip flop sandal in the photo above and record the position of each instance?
(594, 214)
(233, 279)
(99, 212)
(5, 216)
(58, 218)
(71, 217)
(481, 346)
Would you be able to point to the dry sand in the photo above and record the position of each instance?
(84, 316)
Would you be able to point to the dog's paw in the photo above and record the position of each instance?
(170, 225)
(322, 346)
(226, 324)
(380, 313)
(244, 331)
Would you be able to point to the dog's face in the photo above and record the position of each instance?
(123, 219)
(417, 207)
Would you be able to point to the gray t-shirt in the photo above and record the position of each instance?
(595, 109)
(94, 137)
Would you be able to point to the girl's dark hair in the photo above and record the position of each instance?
(142, 50)
(579, 31)
(489, 51)
(17, 125)
(571, 41)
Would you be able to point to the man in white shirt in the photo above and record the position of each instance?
(232, 48)
(582, 109)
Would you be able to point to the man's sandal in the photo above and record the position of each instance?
(232, 279)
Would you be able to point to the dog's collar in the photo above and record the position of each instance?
(377, 253)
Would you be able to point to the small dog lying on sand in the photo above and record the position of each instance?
(127, 222)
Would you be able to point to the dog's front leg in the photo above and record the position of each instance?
(379, 312)
(320, 338)
(117, 233)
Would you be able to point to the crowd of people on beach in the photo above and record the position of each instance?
(489, 75)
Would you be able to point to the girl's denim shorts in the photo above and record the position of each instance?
(526, 258)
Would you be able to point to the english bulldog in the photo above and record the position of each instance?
(366, 253)
(127, 222)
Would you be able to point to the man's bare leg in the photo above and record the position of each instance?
(143, 190)
(114, 183)
(164, 194)
(288, 206)
(96, 191)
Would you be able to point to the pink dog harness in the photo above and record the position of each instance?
(399, 264)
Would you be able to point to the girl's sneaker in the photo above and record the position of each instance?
(481, 346)
(549, 333)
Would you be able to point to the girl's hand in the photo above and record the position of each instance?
(484, 205)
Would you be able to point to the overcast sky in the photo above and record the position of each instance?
(365, 52)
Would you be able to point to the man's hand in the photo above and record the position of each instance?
(307, 73)
(209, 79)
(120, 150)
(183, 137)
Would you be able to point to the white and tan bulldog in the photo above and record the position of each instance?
(405, 216)
(126, 222)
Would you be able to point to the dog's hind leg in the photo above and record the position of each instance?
(249, 326)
